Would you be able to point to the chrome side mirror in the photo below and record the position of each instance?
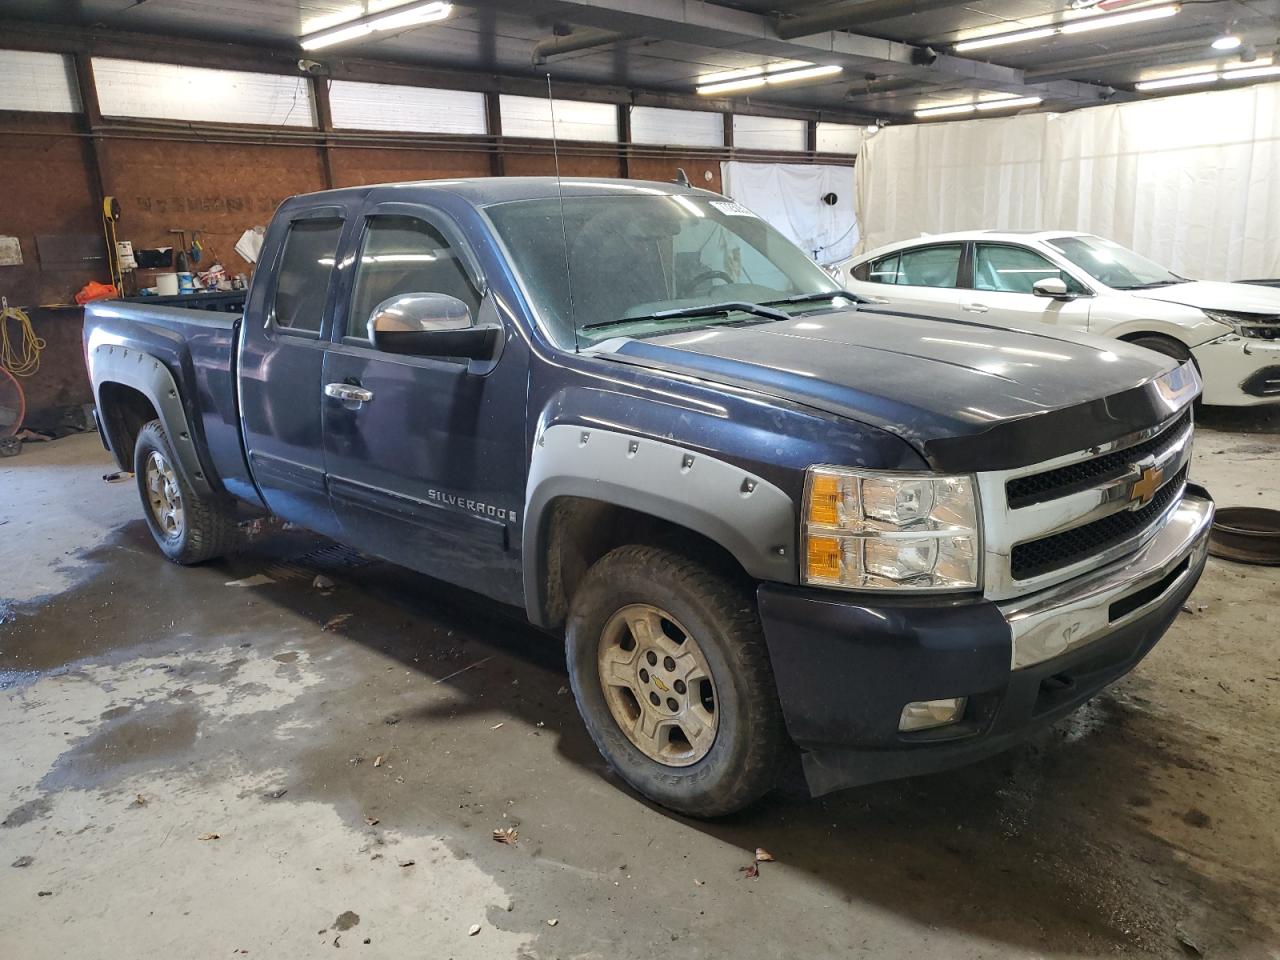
(430, 325)
(1054, 288)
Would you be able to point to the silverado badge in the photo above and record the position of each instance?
(1145, 487)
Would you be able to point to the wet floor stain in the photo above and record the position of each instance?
(144, 738)
(346, 920)
(26, 812)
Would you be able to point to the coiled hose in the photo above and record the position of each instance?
(21, 357)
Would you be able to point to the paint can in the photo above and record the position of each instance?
(167, 284)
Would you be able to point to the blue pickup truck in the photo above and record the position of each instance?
(763, 516)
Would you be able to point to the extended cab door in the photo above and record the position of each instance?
(281, 361)
(918, 276)
(1002, 277)
(426, 467)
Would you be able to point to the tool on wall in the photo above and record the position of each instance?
(110, 214)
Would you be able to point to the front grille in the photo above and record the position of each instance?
(1038, 487)
(1036, 557)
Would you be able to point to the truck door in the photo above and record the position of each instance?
(426, 462)
(281, 361)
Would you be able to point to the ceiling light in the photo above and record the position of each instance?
(1085, 24)
(1240, 73)
(1000, 39)
(1009, 102)
(397, 18)
(1228, 42)
(758, 76)
(947, 110)
(1186, 80)
(1082, 24)
(806, 74)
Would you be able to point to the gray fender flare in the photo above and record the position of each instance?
(751, 518)
(109, 363)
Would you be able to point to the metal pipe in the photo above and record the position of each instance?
(544, 50)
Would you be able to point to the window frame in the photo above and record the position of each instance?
(1085, 289)
(962, 264)
(433, 217)
(328, 212)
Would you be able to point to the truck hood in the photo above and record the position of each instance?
(1212, 295)
(966, 395)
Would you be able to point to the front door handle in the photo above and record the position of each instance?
(976, 307)
(348, 392)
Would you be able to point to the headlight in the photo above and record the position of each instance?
(871, 530)
(1251, 325)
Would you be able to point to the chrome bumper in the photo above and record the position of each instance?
(1064, 618)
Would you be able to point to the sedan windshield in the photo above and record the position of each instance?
(641, 264)
(1116, 266)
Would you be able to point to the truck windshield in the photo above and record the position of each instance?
(1116, 266)
(649, 254)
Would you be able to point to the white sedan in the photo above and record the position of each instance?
(1083, 282)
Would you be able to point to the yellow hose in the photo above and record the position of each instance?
(20, 358)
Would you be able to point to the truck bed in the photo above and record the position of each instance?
(198, 346)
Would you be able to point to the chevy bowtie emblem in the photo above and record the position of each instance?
(660, 685)
(1145, 487)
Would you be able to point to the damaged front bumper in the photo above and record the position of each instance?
(846, 666)
(1239, 371)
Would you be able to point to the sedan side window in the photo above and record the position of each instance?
(1007, 269)
(937, 266)
(405, 255)
(884, 270)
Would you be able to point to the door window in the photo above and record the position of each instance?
(884, 270)
(937, 266)
(302, 282)
(405, 255)
(1007, 269)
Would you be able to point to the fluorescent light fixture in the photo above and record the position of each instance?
(1000, 39)
(1228, 42)
(1186, 80)
(1240, 73)
(947, 110)
(1009, 102)
(397, 18)
(1080, 25)
(806, 74)
(758, 76)
(1086, 24)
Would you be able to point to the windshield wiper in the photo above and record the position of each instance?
(814, 298)
(706, 310)
(1154, 284)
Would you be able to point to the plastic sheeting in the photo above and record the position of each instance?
(1190, 181)
(789, 196)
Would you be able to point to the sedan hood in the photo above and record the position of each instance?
(966, 395)
(1212, 295)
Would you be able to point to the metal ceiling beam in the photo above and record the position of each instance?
(842, 16)
(725, 28)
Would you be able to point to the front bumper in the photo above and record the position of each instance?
(845, 666)
(1239, 371)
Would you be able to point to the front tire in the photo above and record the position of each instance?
(188, 528)
(668, 665)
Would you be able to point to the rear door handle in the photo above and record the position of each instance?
(976, 307)
(348, 392)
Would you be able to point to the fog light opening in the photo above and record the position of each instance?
(927, 714)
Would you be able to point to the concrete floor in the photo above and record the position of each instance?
(145, 707)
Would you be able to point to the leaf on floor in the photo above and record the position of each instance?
(372, 821)
(336, 622)
(763, 855)
(209, 836)
(257, 580)
(508, 835)
(377, 761)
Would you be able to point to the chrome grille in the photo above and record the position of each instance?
(1036, 557)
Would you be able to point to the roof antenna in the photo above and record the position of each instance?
(564, 234)
(682, 178)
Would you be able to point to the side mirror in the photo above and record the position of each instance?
(430, 325)
(1052, 287)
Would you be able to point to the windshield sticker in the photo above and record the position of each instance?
(731, 207)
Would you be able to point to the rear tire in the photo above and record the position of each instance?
(188, 527)
(719, 741)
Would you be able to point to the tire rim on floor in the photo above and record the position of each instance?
(163, 494)
(658, 685)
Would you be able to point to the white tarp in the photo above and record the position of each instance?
(789, 197)
(1191, 181)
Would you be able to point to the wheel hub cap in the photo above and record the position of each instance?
(658, 686)
(163, 494)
